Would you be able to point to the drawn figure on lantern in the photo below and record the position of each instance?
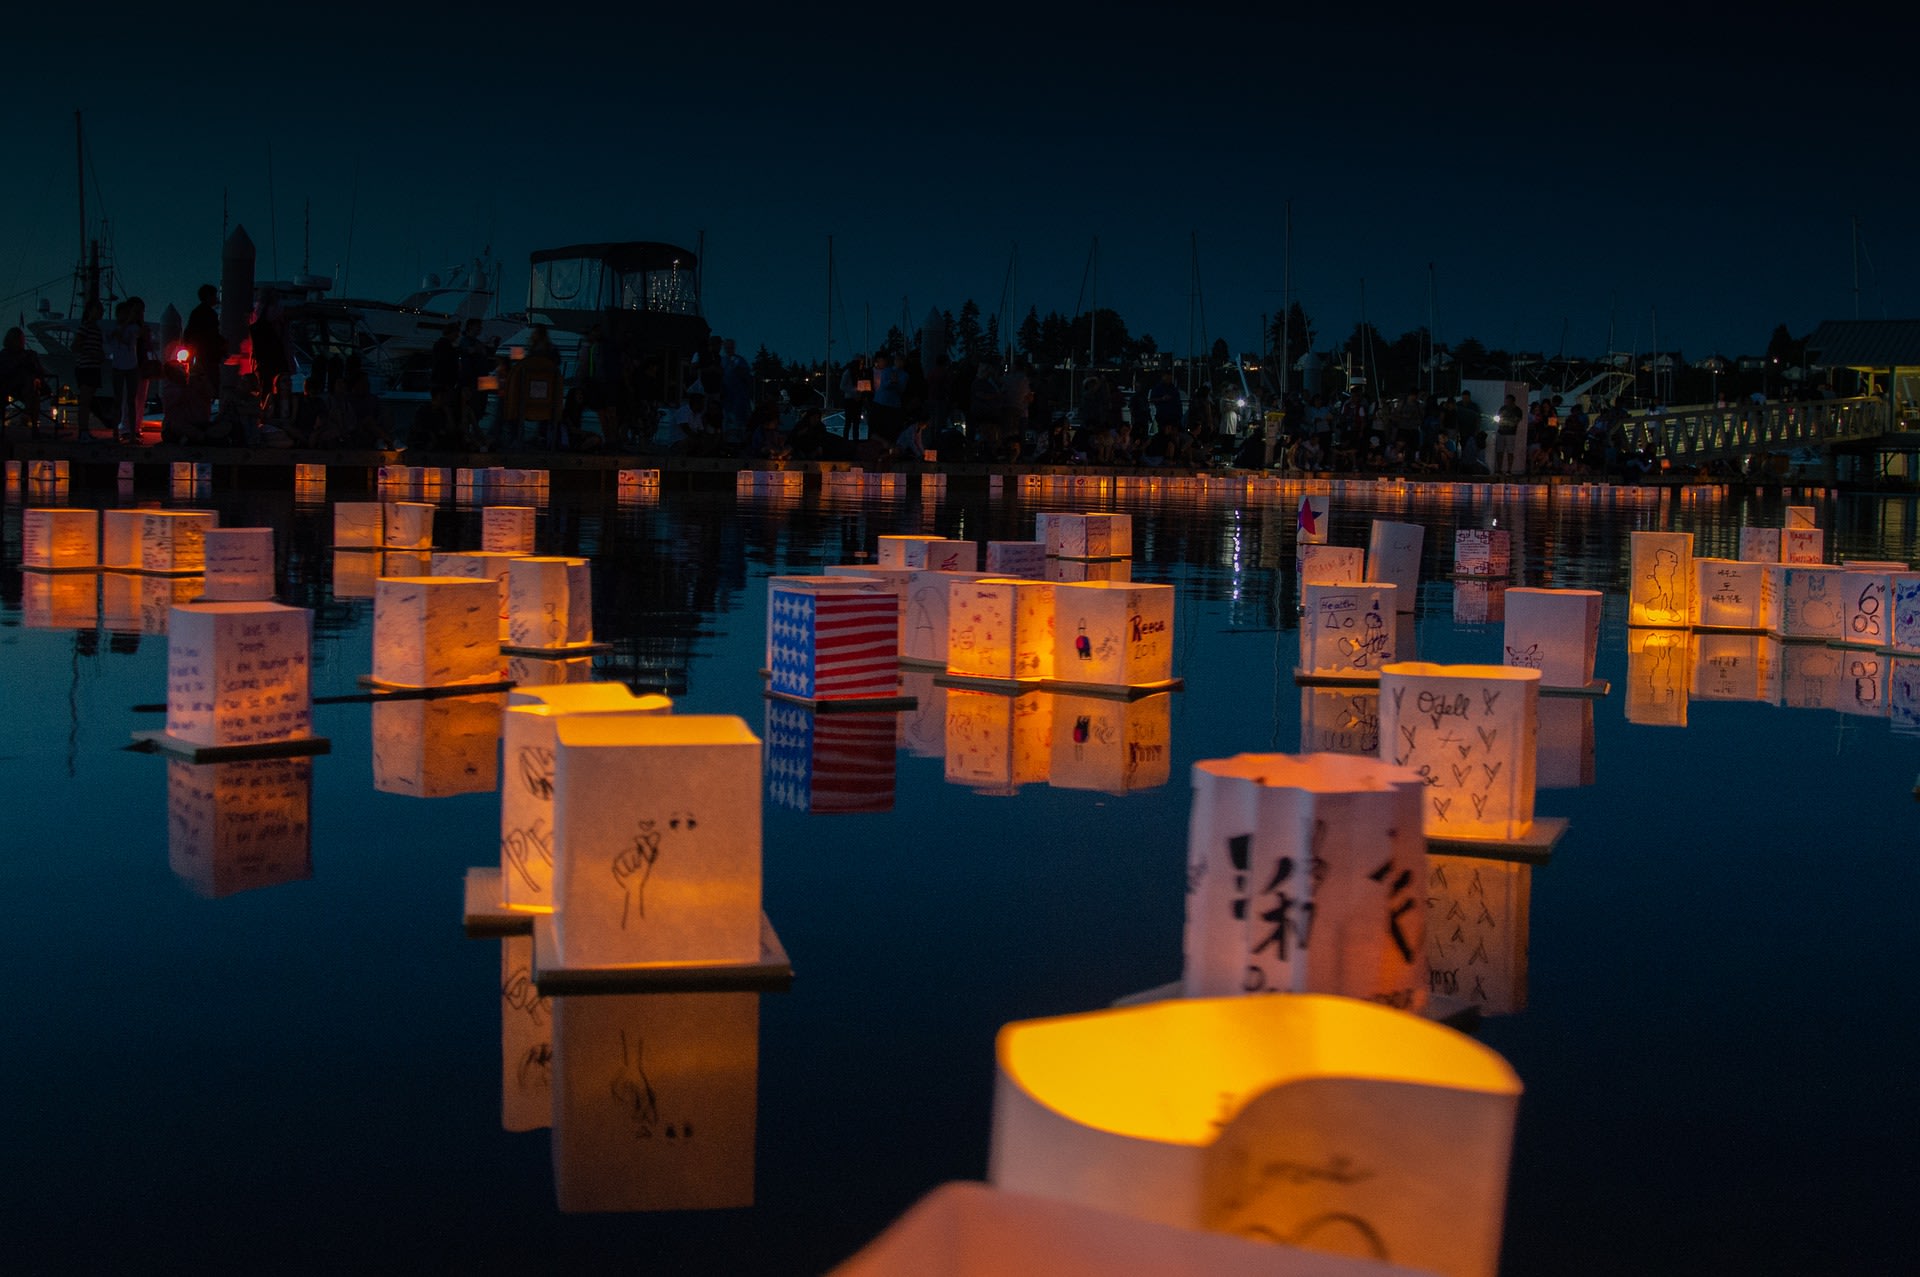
(522, 846)
(1082, 644)
(1821, 612)
(1527, 657)
(632, 868)
(536, 771)
(1666, 583)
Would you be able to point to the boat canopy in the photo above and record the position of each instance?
(631, 275)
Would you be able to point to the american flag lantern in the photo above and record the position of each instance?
(1729, 594)
(997, 742)
(862, 577)
(550, 603)
(1111, 746)
(1470, 731)
(435, 631)
(1554, 631)
(479, 565)
(1482, 552)
(1477, 932)
(833, 643)
(359, 525)
(1805, 601)
(437, 748)
(1017, 558)
(829, 763)
(1348, 631)
(1310, 521)
(1000, 628)
(507, 529)
(409, 525)
(1660, 579)
(1393, 558)
(1760, 545)
(1659, 674)
(55, 539)
(239, 826)
(1110, 634)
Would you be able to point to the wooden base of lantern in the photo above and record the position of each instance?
(1115, 692)
(974, 683)
(408, 692)
(914, 663)
(847, 704)
(1480, 576)
(771, 972)
(195, 752)
(1352, 678)
(1597, 689)
(483, 913)
(1535, 847)
(556, 653)
(72, 568)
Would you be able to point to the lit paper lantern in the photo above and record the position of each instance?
(1563, 752)
(13, 474)
(1729, 595)
(1660, 579)
(1801, 517)
(1393, 558)
(1347, 630)
(1340, 720)
(355, 574)
(1554, 631)
(1331, 564)
(1017, 558)
(528, 743)
(1304, 875)
(437, 748)
(638, 479)
(175, 540)
(479, 565)
(1811, 676)
(1479, 602)
(140, 604)
(924, 629)
(1111, 746)
(237, 673)
(526, 1041)
(239, 564)
(1806, 601)
(1074, 571)
(1001, 628)
(120, 538)
(654, 1101)
(1482, 552)
(862, 577)
(1177, 1112)
(656, 840)
(926, 552)
(1760, 545)
(1312, 519)
(831, 642)
(239, 826)
(408, 524)
(1659, 665)
(550, 603)
(59, 600)
(54, 539)
(829, 763)
(435, 631)
(1864, 619)
(1470, 730)
(306, 473)
(1804, 545)
(1477, 913)
(507, 529)
(1904, 610)
(1089, 536)
(359, 525)
(996, 743)
(192, 474)
(1113, 635)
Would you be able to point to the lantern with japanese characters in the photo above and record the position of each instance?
(925, 627)
(1734, 667)
(1179, 1111)
(832, 642)
(1477, 913)
(997, 742)
(550, 604)
(1729, 595)
(1660, 579)
(239, 826)
(1109, 745)
(435, 631)
(237, 673)
(437, 748)
(1109, 634)
(1393, 557)
(1017, 558)
(239, 564)
(1470, 731)
(1001, 628)
(57, 538)
(1554, 631)
(1347, 631)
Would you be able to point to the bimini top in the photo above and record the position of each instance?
(624, 255)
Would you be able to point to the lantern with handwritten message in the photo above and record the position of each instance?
(655, 1097)
(1806, 601)
(1903, 612)
(1660, 579)
(1074, 571)
(924, 629)
(1804, 545)
(831, 642)
(175, 540)
(437, 748)
(828, 762)
(1017, 558)
(1659, 672)
(526, 1041)
(1347, 631)
(52, 539)
(656, 840)
(1482, 552)
(1087, 536)
(435, 631)
(997, 742)
(359, 525)
(507, 529)
(239, 826)
(1801, 517)
(1729, 595)
(237, 673)
(1109, 634)
(1477, 913)
(1000, 628)
(930, 553)
(1864, 619)
(1316, 1121)
(408, 525)
(1554, 631)
(1760, 545)
(120, 538)
(637, 479)
(1304, 875)
(1112, 746)
(480, 565)
(239, 564)
(550, 604)
(1470, 731)
(1393, 557)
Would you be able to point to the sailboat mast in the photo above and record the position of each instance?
(1856, 267)
(1430, 341)
(1093, 316)
(80, 177)
(1286, 305)
(826, 389)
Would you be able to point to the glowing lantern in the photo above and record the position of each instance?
(1801, 517)
(1347, 630)
(1112, 746)
(13, 474)
(656, 840)
(60, 600)
(549, 604)
(861, 577)
(140, 604)
(1482, 552)
(1107, 634)
(437, 748)
(1660, 580)
(1074, 571)
(1000, 628)
(1331, 564)
(1304, 875)
(57, 539)
(239, 826)
(237, 673)
(479, 565)
(655, 1098)
(1477, 930)
(1904, 612)
(924, 629)
(1479, 602)
(355, 574)
(1554, 631)
(996, 743)
(1176, 1112)
(1340, 720)
(307, 474)
(526, 1041)
(1804, 545)
(934, 553)
(409, 525)
(827, 763)
(1760, 545)
(1563, 753)
(1864, 620)
(191, 474)
(831, 642)
(359, 525)
(1806, 601)
(1659, 664)
(239, 564)
(1471, 731)
(435, 631)
(120, 538)
(1393, 558)
(1017, 558)
(507, 529)
(1730, 595)
(1312, 520)
(638, 479)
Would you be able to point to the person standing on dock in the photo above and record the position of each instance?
(856, 385)
(889, 387)
(89, 361)
(130, 351)
(1506, 438)
(736, 391)
(203, 341)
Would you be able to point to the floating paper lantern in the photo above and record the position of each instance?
(120, 538)
(1017, 558)
(1732, 667)
(656, 840)
(1073, 571)
(175, 540)
(13, 474)
(1001, 628)
(1393, 557)
(1331, 564)
(831, 642)
(1482, 552)
(192, 474)
(1730, 595)
(550, 603)
(996, 743)
(1312, 519)
(1087, 536)
(507, 529)
(409, 525)
(654, 1101)
(59, 600)
(237, 673)
(1113, 635)
(829, 763)
(1340, 720)
(1477, 912)
(1660, 579)
(1179, 1112)
(480, 565)
(435, 631)
(437, 748)
(1903, 611)
(55, 539)
(862, 577)
(1659, 665)
(239, 826)
(1804, 545)
(903, 551)
(1864, 618)
(526, 1041)
(638, 479)
(1760, 545)
(1112, 746)
(1479, 602)
(1801, 517)
(1304, 875)
(1347, 630)
(1806, 601)
(140, 604)
(1470, 731)
(239, 564)
(309, 474)
(1554, 631)
(924, 628)
(1563, 752)
(359, 525)
(928, 553)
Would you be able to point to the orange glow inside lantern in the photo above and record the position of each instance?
(1001, 628)
(1113, 635)
(550, 603)
(237, 673)
(1111, 746)
(59, 538)
(435, 631)
(1471, 731)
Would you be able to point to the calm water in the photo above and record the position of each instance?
(1716, 1038)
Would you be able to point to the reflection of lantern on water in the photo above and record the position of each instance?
(1347, 630)
(550, 603)
(122, 535)
(834, 762)
(1069, 571)
(1730, 595)
(924, 628)
(1811, 676)
(1393, 557)
(435, 631)
(1110, 634)
(437, 748)
(1477, 929)
(355, 572)
(237, 673)
(1563, 756)
(1017, 558)
(1554, 631)
(57, 538)
(507, 529)
(538, 671)
(1903, 608)
(922, 730)
(1317, 1121)
(1001, 628)
(238, 826)
(139, 604)
(1660, 579)
(1863, 683)
(832, 641)
(1903, 696)
(239, 564)
(1304, 875)
(655, 1099)
(1112, 746)
(1659, 665)
(1340, 720)
(996, 743)
(526, 1041)
(478, 565)
(1760, 545)
(1470, 730)
(1806, 601)
(62, 601)
(1479, 602)
(1734, 667)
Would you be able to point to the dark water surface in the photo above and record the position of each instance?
(1716, 1043)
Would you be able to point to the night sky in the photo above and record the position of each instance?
(1567, 176)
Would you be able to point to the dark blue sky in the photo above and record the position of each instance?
(1562, 172)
